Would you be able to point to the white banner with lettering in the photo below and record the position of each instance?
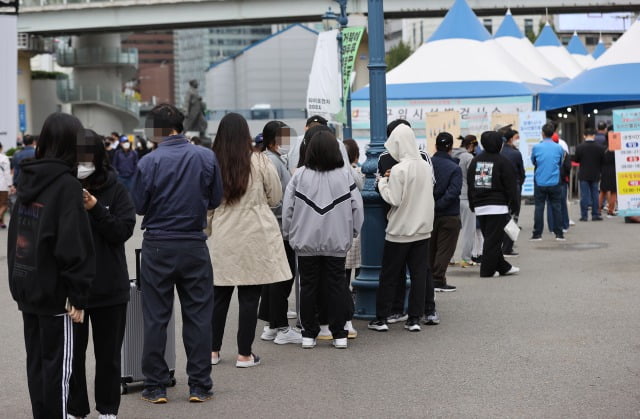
(323, 93)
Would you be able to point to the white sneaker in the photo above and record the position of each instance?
(572, 223)
(268, 333)
(288, 335)
(76, 417)
(292, 314)
(340, 343)
(215, 360)
(325, 333)
(308, 343)
(107, 417)
(514, 270)
(353, 333)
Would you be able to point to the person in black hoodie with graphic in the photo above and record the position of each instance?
(113, 218)
(51, 261)
(491, 180)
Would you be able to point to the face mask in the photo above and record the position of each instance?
(283, 149)
(85, 170)
(125, 145)
(149, 145)
(516, 143)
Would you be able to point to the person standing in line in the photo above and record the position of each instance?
(246, 243)
(547, 157)
(589, 155)
(492, 195)
(112, 145)
(408, 188)
(608, 185)
(322, 213)
(273, 301)
(446, 224)
(511, 152)
(51, 261)
(125, 161)
(27, 153)
(174, 251)
(464, 154)
(112, 217)
(565, 174)
(5, 185)
(600, 136)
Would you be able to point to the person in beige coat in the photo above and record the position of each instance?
(245, 241)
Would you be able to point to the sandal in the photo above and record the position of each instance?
(254, 362)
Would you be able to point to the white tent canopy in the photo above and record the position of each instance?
(550, 47)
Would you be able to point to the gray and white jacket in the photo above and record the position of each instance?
(322, 212)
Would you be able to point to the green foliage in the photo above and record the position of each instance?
(11, 152)
(397, 55)
(48, 75)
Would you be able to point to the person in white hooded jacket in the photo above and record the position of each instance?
(408, 188)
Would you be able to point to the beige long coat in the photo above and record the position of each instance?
(245, 241)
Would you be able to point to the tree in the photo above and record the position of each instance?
(397, 55)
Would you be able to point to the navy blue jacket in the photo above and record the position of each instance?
(125, 162)
(28, 152)
(446, 191)
(173, 188)
(515, 157)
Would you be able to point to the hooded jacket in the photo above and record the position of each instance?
(491, 177)
(464, 157)
(112, 219)
(408, 189)
(50, 249)
(446, 191)
(322, 212)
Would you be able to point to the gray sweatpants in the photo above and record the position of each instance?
(468, 231)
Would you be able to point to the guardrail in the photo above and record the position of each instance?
(78, 57)
(69, 93)
(279, 113)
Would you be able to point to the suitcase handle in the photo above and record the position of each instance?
(138, 256)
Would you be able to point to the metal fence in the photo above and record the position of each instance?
(74, 57)
(69, 93)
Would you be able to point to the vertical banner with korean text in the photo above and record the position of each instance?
(351, 38)
(9, 77)
(626, 122)
(530, 129)
(323, 93)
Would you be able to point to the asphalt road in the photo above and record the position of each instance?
(560, 340)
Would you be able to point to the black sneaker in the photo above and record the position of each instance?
(198, 395)
(511, 254)
(378, 325)
(444, 288)
(412, 325)
(397, 318)
(155, 394)
(432, 319)
(476, 259)
(535, 238)
(596, 218)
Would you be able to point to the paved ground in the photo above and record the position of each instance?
(560, 340)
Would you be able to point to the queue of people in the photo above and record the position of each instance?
(260, 218)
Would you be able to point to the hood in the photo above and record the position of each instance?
(458, 152)
(94, 184)
(402, 144)
(36, 175)
(491, 141)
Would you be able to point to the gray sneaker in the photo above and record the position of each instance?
(397, 318)
(431, 319)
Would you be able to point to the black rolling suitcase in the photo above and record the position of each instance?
(131, 354)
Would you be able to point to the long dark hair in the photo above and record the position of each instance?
(95, 148)
(307, 139)
(270, 133)
(232, 146)
(353, 151)
(323, 153)
(59, 138)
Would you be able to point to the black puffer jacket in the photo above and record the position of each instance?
(112, 219)
(491, 177)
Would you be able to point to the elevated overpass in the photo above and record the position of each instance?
(52, 17)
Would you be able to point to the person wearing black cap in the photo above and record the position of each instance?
(446, 224)
(511, 152)
(492, 194)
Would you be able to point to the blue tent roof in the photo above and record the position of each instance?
(460, 22)
(547, 38)
(576, 46)
(599, 50)
(613, 83)
(449, 90)
(508, 27)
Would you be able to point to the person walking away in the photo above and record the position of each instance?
(5, 184)
(492, 195)
(600, 136)
(112, 218)
(174, 251)
(125, 161)
(590, 156)
(511, 152)
(51, 262)
(246, 244)
(273, 300)
(322, 213)
(547, 157)
(446, 224)
(464, 154)
(408, 188)
(608, 185)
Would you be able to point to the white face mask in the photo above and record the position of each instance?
(85, 170)
(516, 143)
(126, 145)
(149, 145)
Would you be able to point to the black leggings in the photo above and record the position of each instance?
(248, 298)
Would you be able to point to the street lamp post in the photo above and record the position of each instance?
(373, 230)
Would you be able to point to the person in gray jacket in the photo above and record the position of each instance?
(322, 213)
(467, 234)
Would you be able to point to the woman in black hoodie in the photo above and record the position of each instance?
(112, 216)
(51, 261)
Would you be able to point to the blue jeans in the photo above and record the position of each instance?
(564, 210)
(554, 195)
(589, 196)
